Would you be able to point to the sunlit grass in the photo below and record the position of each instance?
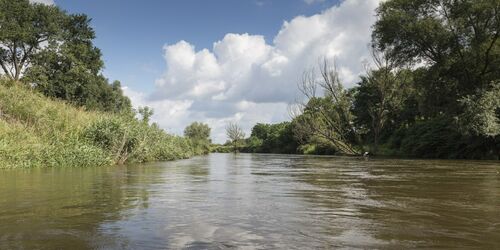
(36, 131)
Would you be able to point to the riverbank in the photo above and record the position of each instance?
(37, 131)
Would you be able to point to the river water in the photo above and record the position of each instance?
(252, 201)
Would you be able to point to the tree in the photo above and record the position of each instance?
(261, 130)
(382, 92)
(235, 134)
(25, 27)
(481, 115)
(199, 135)
(272, 138)
(455, 41)
(198, 131)
(328, 116)
(146, 113)
(69, 68)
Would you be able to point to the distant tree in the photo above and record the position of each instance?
(199, 135)
(24, 29)
(272, 138)
(198, 131)
(235, 134)
(146, 113)
(261, 130)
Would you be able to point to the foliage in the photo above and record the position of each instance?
(52, 51)
(24, 27)
(437, 138)
(432, 91)
(218, 148)
(481, 115)
(39, 132)
(145, 113)
(445, 103)
(456, 40)
(329, 116)
(272, 138)
(317, 148)
(199, 135)
(385, 88)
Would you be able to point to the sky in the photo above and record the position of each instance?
(221, 61)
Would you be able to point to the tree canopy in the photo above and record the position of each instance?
(456, 41)
(52, 51)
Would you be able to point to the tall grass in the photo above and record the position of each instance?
(36, 131)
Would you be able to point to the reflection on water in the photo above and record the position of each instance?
(254, 202)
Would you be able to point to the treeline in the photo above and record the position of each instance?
(56, 107)
(432, 89)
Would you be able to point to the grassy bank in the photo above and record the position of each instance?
(36, 131)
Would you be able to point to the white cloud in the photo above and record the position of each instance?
(244, 79)
(313, 1)
(48, 2)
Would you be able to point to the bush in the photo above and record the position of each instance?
(39, 132)
(438, 138)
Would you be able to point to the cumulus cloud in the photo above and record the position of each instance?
(246, 80)
(48, 2)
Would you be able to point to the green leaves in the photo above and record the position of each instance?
(457, 40)
(199, 135)
(24, 27)
(51, 50)
(481, 113)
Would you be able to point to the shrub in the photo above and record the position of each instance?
(39, 132)
(438, 138)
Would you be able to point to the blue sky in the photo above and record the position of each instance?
(131, 34)
(221, 61)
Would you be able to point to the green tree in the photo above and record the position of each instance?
(381, 94)
(199, 135)
(456, 41)
(25, 27)
(261, 130)
(198, 131)
(69, 69)
(145, 113)
(272, 138)
(482, 113)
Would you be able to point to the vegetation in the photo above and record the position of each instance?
(39, 132)
(52, 51)
(56, 107)
(272, 138)
(432, 91)
(327, 117)
(199, 136)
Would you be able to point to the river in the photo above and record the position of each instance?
(254, 201)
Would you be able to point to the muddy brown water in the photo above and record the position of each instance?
(254, 201)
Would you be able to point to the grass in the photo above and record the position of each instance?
(36, 131)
